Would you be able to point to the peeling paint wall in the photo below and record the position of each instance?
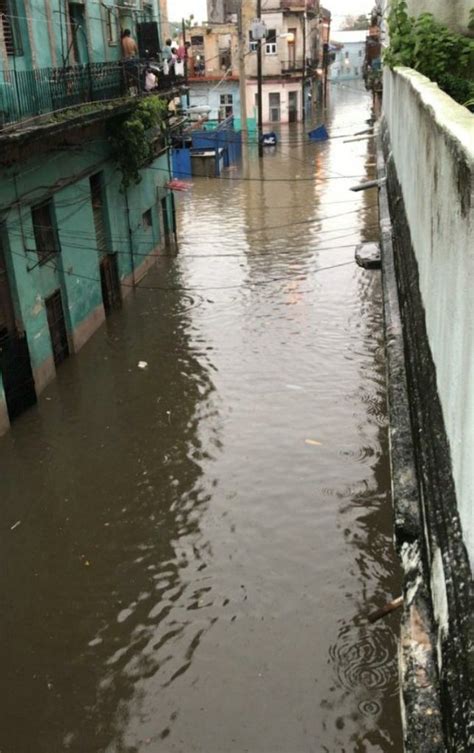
(63, 178)
(432, 140)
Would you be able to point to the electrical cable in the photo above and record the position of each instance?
(258, 283)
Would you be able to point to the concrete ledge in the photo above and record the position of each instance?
(44, 374)
(420, 696)
(437, 652)
(432, 146)
(87, 327)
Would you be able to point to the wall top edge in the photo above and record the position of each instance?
(455, 120)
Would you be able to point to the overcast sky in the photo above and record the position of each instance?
(339, 8)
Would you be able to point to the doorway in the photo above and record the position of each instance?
(166, 222)
(15, 364)
(77, 27)
(274, 106)
(292, 107)
(110, 283)
(57, 327)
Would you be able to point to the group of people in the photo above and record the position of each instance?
(173, 59)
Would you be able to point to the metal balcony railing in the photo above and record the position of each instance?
(291, 66)
(28, 94)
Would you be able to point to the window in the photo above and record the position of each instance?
(347, 55)
(256, 100)
(111, 27)
(226, 106)
(147, 221)
(253, 43)
(11, 30)
(356, 71)
(360, 53)
(46, 238)
(274, 106)
(271, 42)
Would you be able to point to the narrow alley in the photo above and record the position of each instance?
(191, 548)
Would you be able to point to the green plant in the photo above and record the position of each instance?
(431, 48)
(129, 137)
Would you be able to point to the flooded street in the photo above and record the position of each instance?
(190, 550)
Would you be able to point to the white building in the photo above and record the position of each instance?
(349, 61)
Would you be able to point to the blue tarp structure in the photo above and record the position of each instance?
(319, 134)
(222, 139)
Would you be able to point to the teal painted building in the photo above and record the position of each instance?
(73, 242)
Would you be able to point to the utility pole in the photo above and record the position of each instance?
(183, 29)
(242, 78)
(303, 83)
(326, 63)
(259, 85)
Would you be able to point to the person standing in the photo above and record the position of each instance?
(129, 46)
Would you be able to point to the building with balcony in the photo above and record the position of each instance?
(213, 69)
(80, 221)
(291, 55)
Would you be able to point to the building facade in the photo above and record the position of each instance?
(73, 238)
(213, 70)
(349, 55)
(291, 56)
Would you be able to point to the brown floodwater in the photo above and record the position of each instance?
(190, 550)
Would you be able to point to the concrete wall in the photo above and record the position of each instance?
(432, 140)
(454, 13)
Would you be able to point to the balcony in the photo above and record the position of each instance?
(291, 66)
(25, 95)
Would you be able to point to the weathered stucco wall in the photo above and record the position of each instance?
(453, 13)
(432, 140)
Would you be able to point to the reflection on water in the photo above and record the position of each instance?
(190, 573)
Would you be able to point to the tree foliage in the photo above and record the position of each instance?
(129, 137)
(355, 23)
(433, 49)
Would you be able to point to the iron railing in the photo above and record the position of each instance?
(28, 94)
(290, 66)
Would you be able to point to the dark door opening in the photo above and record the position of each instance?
(292, 107)
(110, 283)
(57, 327)
(15, 364)
(77, 28)
(166, 222)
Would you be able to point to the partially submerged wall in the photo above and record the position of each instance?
(429, 142)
